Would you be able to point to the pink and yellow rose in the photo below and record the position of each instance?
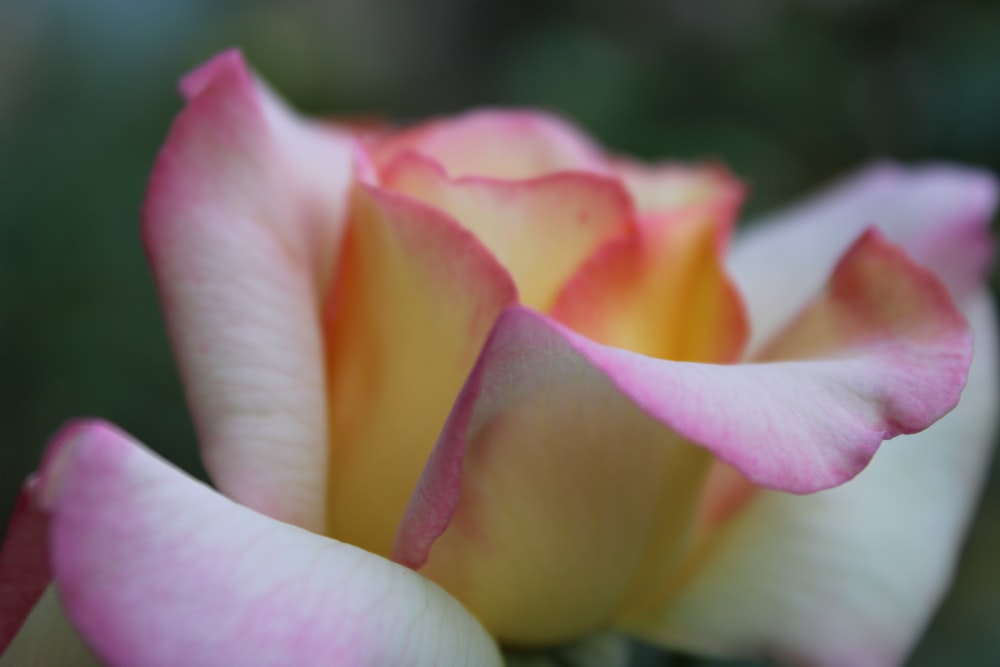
(476, 383)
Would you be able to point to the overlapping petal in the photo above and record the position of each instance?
(416, 297)
(542, 230)
(497, 143)
(242, 225)
(938, 212)
(562, 453)
(849, 576)
(155, 569)
(558, 499)
(663, 291)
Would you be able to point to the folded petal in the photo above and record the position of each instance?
(416, 298)
(499, 144)
(940, 213)
(24, 568)
(663, 291)
(242, 224)
(155, 569)
(541, 229)
(554, 430)
(849, 576)
(551, 502)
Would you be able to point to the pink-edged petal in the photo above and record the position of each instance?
(48, 640)
(24, 568)
(242, 224)
(551, 502)
(542, 230)
(849, 576)
(497, 143)
(881, 352)
(547, 434)
(416, 298)
(939, 213)
(155, 569)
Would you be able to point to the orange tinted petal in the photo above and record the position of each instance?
(416, 298)
(663, 292)
(541, 230)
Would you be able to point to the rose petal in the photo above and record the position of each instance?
(559, 501)
(499, 144)
(939, 213)
(417, 296)
(242, 225)
(882, 352)
(849, 576)
(155, 569)
(663, 292)
(545, 431)
(541, 230)
(24, 568)
(668, 187)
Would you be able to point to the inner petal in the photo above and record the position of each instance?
(415, 300)
(542, 230)
(498, 144)
(663, 292)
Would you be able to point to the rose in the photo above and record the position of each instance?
(564, 321)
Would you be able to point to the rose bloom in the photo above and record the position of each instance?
(475, 384)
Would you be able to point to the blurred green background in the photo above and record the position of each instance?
(790, 93)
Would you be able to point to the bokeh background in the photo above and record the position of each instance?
(790, 93)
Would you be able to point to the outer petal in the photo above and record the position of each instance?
(417, 296)
(545, 434)
(939, 213)
(24, 571)
(541, 230)
(154, 569)
(242, 225)
(499, 144)
(848, 576)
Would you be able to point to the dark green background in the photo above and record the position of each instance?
(789, 93)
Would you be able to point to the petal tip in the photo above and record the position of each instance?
(227, 63)
(46, 483)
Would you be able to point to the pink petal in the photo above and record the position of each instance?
(243, 221)
(541, 230)
(24, 568)
(499, 144)
(559, 501)
(852, 575)
(545, 434)
(416, 298)
(155, 569)
(939, 213)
